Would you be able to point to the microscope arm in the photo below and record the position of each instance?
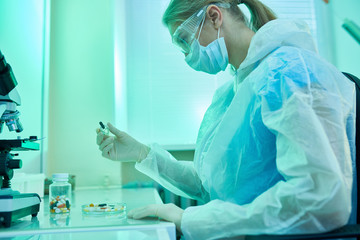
(9, 97)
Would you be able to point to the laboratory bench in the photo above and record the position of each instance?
(77, 225)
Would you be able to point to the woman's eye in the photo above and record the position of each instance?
(185, 37)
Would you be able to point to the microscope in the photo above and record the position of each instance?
(13, 204)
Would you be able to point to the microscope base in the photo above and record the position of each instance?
(15, 206)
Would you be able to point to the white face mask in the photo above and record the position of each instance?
(210, 59)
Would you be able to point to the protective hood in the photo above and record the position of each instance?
(271, 36)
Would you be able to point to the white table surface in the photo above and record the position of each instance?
(76, 225)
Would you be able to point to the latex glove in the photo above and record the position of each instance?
(169, 212)
(121, 146)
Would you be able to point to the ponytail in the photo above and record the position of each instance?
(260, 13)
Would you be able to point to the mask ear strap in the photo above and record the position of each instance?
(202, 24)
(219, 33)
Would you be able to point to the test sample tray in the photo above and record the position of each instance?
(104, 208)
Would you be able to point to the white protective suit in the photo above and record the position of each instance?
(275, 149)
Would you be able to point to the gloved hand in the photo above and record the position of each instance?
(169, 212)
(121, 146)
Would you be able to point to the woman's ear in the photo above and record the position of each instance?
(215, 16)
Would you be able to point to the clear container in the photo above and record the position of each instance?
(60, 194)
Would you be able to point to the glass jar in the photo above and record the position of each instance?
(60, 193)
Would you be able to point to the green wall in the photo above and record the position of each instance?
(346, 50)
(81, 89)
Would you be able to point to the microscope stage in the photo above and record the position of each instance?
(18, 144)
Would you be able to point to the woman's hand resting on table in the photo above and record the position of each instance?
(169, 212)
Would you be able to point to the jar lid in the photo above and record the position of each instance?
(62, 176)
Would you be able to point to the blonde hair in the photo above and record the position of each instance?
(180, 10)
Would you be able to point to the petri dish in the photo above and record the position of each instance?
(99, 209)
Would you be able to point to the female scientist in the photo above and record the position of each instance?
(274, 151)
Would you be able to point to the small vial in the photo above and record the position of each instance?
(104, 129)
(60, 194)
